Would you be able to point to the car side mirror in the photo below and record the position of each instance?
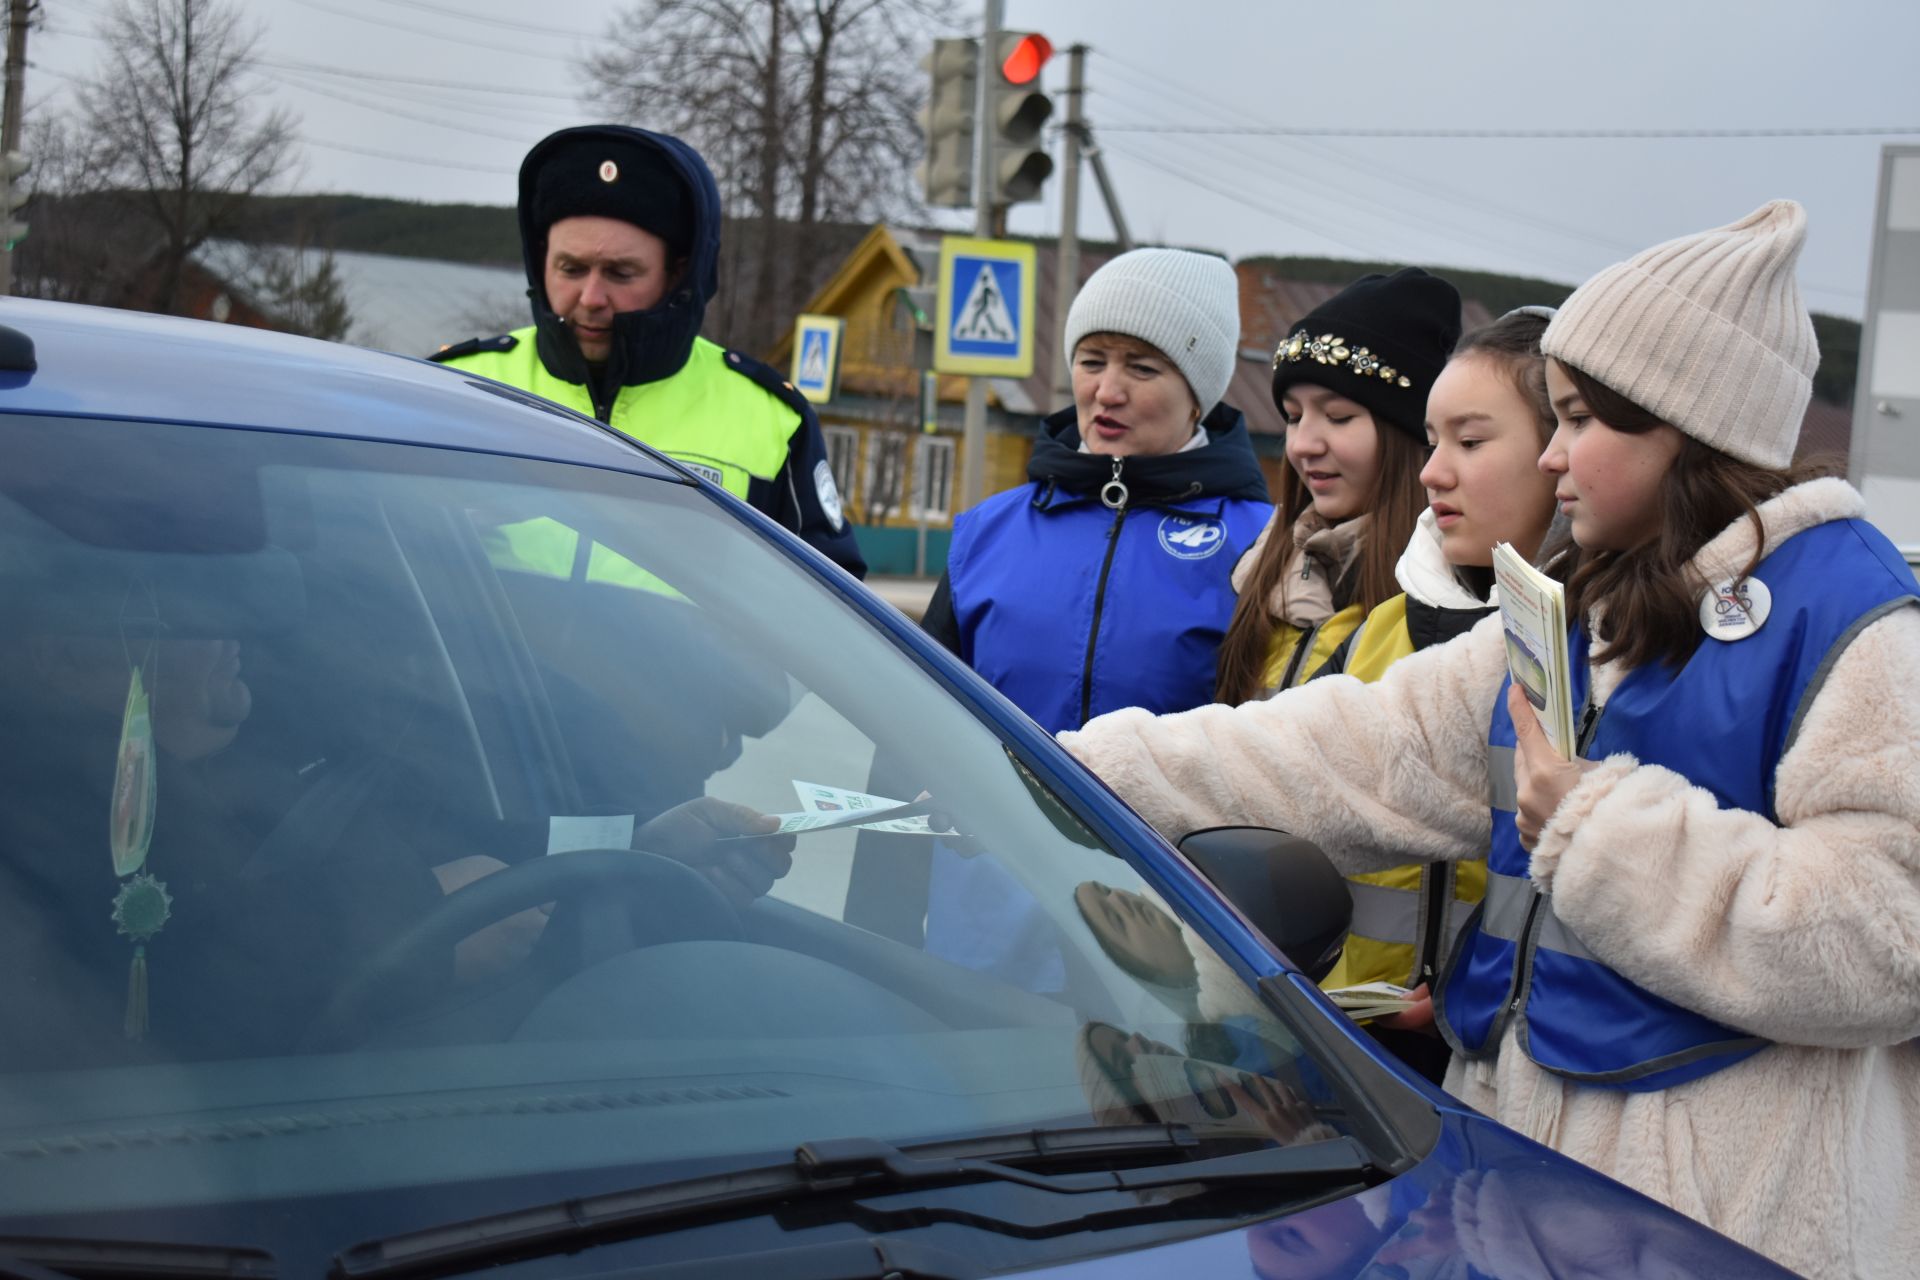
(1283, 885)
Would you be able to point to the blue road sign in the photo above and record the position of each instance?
(985, 308)
(816, 356)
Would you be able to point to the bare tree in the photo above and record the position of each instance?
(76, 250)
(179, 129)
(299, 286)
(805, 109)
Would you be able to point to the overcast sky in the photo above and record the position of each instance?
(1558, 208)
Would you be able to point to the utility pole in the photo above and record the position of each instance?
(1067, 274)
(18, 11)
(973, 440)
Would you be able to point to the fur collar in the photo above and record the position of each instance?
(1789, 512)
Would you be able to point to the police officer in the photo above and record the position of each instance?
(620, 232)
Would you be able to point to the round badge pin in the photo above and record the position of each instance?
(609, 171)
(1734, 610)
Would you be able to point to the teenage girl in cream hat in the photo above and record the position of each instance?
(1697, 967)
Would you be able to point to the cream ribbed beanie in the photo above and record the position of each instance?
(1707, 331)
(1186, 304)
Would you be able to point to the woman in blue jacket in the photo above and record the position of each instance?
(1104, 582)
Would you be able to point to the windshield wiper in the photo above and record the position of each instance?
(857, 1167)
(37, 1258)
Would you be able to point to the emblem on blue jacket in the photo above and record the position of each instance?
(1191, 538)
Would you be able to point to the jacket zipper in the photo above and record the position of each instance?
(1304, 645)
(1100, 594)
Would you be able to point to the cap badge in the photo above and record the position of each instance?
(609, 171)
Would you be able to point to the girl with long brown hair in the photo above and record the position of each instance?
(1488, 418)
(1352, 380)
(1697, 965)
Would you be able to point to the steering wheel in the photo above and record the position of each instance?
(673, 899)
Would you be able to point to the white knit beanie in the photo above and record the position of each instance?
(1707, 332)
(1186, 304)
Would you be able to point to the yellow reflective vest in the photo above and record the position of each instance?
(709, 417)
(1296, 654)
(1405, 919)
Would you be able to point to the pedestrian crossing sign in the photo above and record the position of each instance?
(816, 356)
(984, 310)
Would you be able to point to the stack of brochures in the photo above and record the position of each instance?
(1533, 610)
(1370, 1000)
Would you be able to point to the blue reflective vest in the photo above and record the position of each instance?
(1722, 724)
(1071, 608)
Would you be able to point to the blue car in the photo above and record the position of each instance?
(440, 836)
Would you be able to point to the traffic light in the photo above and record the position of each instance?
(946, 175)
(1016, 110)
(12, 165)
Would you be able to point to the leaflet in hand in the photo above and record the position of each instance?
(1370, 1000)
(1533, 612)
(825, 808)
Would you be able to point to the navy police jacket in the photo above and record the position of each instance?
(1103, 583)
(1722, 721)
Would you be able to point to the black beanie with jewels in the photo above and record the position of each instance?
(1380, 342)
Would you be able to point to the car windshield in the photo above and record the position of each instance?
(377, 817)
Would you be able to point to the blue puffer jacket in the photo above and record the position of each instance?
(1073, 604)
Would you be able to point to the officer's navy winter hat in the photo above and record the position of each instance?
(597, 175)
(1186, 304)
(1380, 342)
(1707, 332)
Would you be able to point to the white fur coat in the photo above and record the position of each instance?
(1807, 933)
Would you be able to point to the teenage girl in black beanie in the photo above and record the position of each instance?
(1352, 379)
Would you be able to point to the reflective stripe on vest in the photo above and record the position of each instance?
(709, 417)
(1723, 722)
(1390, 908)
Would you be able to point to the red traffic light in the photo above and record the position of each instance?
(1022, 64)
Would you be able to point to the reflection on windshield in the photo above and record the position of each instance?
(510, 818)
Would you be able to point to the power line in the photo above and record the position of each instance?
(433, 35)
(1394, 178)
(510, 116)
(1302, 131)
(469, 86)
(1399, 177)
(396, 112)
(405, 159)
(466, 15)
(1346, 201)
(1226, 193)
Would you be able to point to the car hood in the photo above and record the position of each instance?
(1486, 1203)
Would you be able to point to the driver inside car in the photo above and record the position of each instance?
(250, 942)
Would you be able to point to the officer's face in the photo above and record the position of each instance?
(597, 267)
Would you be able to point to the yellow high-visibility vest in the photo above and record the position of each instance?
(1405, 919)
(1294, 653)
(710, 417)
